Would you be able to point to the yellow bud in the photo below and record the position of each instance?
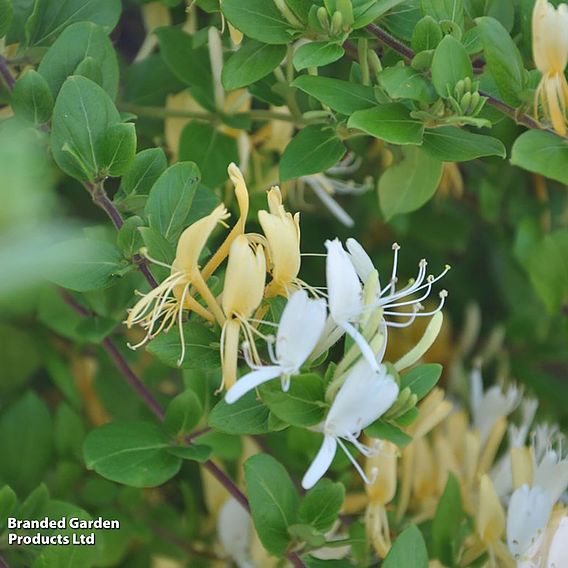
(193, 239)
(282, 232)
(522, 466)
(490, 514)
(244, 279)
(383, 489)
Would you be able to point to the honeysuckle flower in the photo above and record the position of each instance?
(492, 406)
(345, 297)
(380, 491)
(388, 298)
(490, 521)
(234, 529)
(242, 293)
(531, 505)
(558, 549)
(162, 307)
(282, 231)
(299, 329)
(366, 394)
(550, 52)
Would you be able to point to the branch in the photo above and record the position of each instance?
(6, 74)
(407, 53)
(140, 389)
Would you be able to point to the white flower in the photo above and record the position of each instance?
(388, 298)
(365, 395)
(490, 406)
(300, 328)
(234, 530)
(345, 296)
(527, 517)
(558, 551)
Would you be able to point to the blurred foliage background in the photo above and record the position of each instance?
(501, 223)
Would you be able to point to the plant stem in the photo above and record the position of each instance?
(141, 390)
(405, 51)
(6, 74)
(161, 113)
(3, 563)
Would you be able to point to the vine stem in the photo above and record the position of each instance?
(406, 52)
(6, 74)
(148, 398)
(161, 113)
(3, 563)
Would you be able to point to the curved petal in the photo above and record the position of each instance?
(343, 285)
(361, 342)
(250, 381)
(300, 328)
(321, 462)
(360, 259)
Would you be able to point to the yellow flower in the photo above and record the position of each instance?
(282, 231)
(242, 294)
(381, 467)
(167, 301)
(550, 51)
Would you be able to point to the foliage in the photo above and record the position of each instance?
(400, 120)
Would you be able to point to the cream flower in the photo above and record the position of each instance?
(282, 231)
(242, 294)
(550, 51)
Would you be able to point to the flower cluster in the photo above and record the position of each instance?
(354, 304)
(514, 499)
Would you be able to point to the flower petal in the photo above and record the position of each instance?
(250, 381)
(321, 462)
(300, 328)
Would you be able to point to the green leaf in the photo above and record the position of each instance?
(440, 10)
(210, 149)
(409, 184)
(258, 19)
(406, 83)
(390, 122)
(307, 534)
(341, 96)
(246, 416)
(19, 358)
(421, 379)
(321, 505)
(427, 34)
(129, 239)
(190, 65)
(84, 264)
(77, 43)
(252, 62)
(543, 153)
(8, 502)
(160, 249)
(183, 413)
(69, 431)
(83, 112)
(117, 147)
(31, 99)
(547, 265)
(273, 501)
(90, 69)
(201, 347)
(503, 59)
(451, 144)
(6, 15)
(450, 64)
(50, 17)
(131, 453)
(388, 431)
(171, 198)
(26, 441)
(314, 149)
(193, 452)
(409, 549)
(447, 523)
(367, 11)
(302, 405)
(317, 54)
